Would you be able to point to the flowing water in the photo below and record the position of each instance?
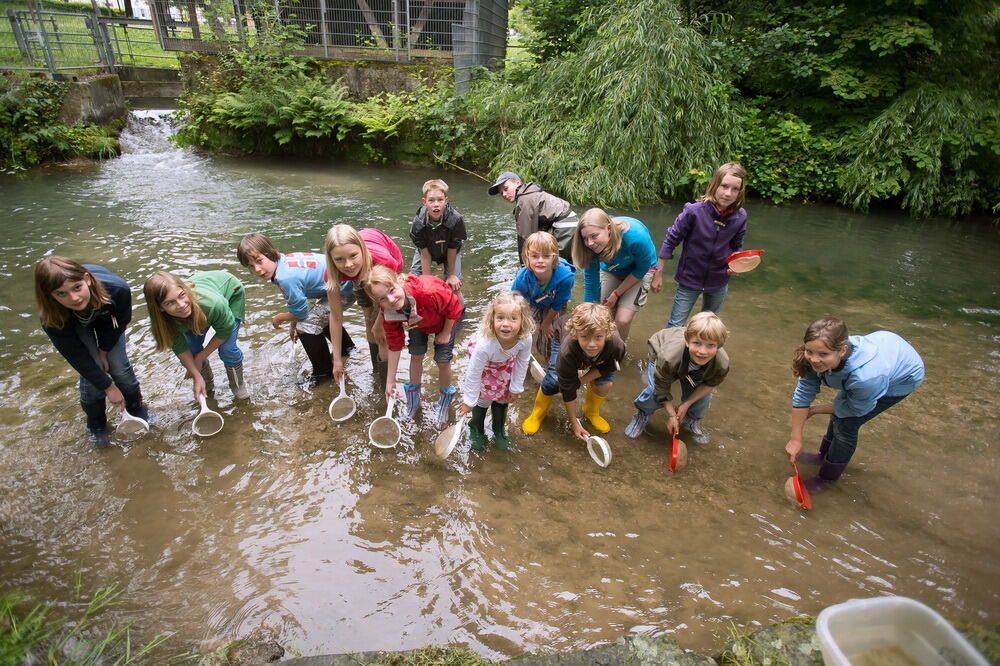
(289, 520)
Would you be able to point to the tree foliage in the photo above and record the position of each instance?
(623, 120)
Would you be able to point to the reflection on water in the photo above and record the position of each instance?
(289, 519)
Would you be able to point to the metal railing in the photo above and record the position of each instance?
(466, 33)
(50, 41)
(396, 30)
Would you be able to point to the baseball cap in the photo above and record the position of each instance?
(504, 177)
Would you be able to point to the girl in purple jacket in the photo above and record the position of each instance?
(711, 229)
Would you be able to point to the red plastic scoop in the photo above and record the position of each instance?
(745, 261)
(801, 493)
(678, 455)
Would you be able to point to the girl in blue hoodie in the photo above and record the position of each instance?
(871, 373)
(546, 282)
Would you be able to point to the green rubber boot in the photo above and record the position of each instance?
(498, 410)
(477, 429)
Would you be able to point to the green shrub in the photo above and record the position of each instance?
(784, 158)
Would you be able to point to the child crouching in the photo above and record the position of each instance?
(426, 306)
(590, 342)
(500, 352)
(692, 355)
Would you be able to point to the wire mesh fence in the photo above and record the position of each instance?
(466, 33)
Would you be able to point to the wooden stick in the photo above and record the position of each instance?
(455, 166)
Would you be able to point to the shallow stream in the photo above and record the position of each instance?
(290, 520)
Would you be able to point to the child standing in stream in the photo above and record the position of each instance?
(182, 311)
(85, 310)
(710, 229)
(500, 352)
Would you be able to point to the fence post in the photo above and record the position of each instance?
(43, 39)
(394, 24)
(101, 42)
(18, 29)
(323, 34)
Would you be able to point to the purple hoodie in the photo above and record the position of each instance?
(708, 238)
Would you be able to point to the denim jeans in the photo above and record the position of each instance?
(229, 353)
(843, 432)
(550, 382)
(443, 353)
(684, 300)
(417, 268)
(646, 401)
(92, 398)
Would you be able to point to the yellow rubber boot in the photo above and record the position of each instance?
(538, 412)
(592, 410)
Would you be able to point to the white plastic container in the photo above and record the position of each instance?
(891, 631)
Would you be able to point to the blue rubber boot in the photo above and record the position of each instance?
(412, 401)
(444, 402)
(637, 425)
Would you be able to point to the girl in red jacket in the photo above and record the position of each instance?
(426, 306)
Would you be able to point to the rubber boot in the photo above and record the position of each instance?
(97, 424)
(477, 428)
(319, 356)
(538, 412)
(373, 352)
(815, 458)
(236, 383)
(412, 392)
(693, 426)
(445, 396)
(208, 376)
(498, 412)
(592, 410)
(347, 343)
(381, 374)
(135, 406)
(828, 473)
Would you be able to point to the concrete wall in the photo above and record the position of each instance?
(361, 79)
(99, 101)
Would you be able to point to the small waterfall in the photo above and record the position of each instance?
(148, 131)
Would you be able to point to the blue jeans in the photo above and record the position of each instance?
(646, 401)
(92, 398)
(843, 432)
(550, 382)
(229, 353)
(684, 300)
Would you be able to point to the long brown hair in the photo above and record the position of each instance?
(50, 274)
(583, 256)
(832, 332)
(156, 289)
(727, 169)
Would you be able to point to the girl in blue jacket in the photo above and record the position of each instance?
(618, 259)
(871, 374)
(84, 310)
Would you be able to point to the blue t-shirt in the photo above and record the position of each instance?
(552, 296)
(636, 256)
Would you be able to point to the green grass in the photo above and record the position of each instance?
(35, 633)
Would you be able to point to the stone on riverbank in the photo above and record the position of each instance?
(791, 643)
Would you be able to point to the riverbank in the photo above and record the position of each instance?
(790, 643)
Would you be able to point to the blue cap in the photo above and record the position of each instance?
(504, 177)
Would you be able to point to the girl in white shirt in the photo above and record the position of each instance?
(500, 352)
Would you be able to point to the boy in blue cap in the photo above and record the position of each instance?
(537, 210)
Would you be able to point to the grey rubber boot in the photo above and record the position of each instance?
(236, 382)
